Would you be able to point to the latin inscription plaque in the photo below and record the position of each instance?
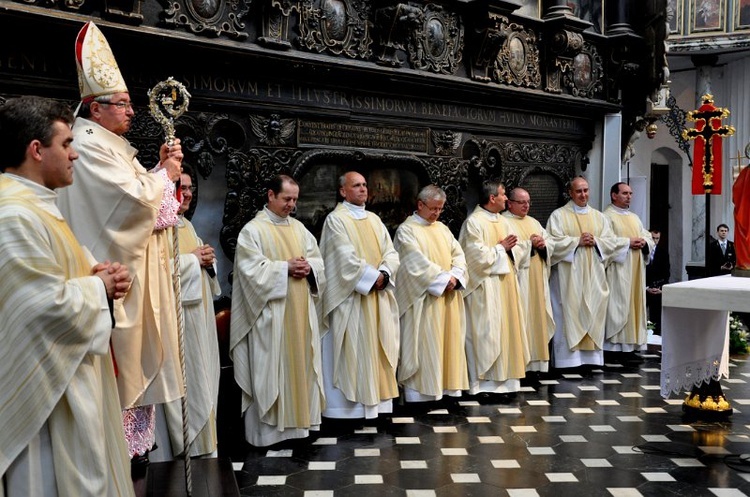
(329, 134)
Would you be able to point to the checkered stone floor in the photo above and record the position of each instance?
(604, 433)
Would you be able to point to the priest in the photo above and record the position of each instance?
(497, 349)
(275, 334)
(432, 278)
(584, 245)
(360, 344)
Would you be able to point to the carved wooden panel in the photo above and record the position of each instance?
(438, 46)
(207, 17)
(517, 62)
(339, 27)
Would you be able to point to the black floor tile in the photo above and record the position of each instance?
(603, 433)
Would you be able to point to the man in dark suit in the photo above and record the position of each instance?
(721, 255)
(657, 274)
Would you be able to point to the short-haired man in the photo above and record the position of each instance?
(532, 257)
(584, 244)
(626, 275)
(429, 294)
(198, 287)
(721, 254)
(497, 349)
(275, 338)
(360, 348)
(62, 430)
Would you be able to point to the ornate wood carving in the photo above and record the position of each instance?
(274, 130)
(275, 23)
(450, 174)
(395, 25)
(586, 75)
(521, 158)
(438, 46)
(517, 63)
(206, 136)
(446, 142)
(336, 26)
(247, 173)
(565, 45)
(488, 38)
(207, 17)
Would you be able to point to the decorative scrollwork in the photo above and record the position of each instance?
(336, 26)
(675, 120)
(521, 158)
(518, 61)
(585, 77)
(207, 136)
(483, 158)
(209, 17)
(452, 176)
(438, 46)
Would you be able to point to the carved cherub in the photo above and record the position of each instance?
(273, 130)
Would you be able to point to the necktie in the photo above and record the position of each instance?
(724, 248)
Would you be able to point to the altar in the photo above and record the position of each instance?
(695, 330)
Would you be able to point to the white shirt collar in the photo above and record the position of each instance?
(420, 219)
(620, 210)
(357, 211)
(580, 210)
(275, 218)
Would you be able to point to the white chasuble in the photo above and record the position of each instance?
(433, 327)
(275, 338)
(533, 282)
(626, 312)
(112, 208)
(363, 328)
(202, 368)
(62, 428)
(580, 281)
(497, 348)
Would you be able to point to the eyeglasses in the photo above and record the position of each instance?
(185, 188)
(119, 105)
(522, 202)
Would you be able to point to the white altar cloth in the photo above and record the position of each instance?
(695, 329)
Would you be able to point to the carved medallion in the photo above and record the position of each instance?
(438, 45)
(209, 17)
(585, 79)
(518, 61)
(336, 26)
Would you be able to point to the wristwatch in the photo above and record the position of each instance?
(386, 278)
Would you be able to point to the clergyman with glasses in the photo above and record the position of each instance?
(121, 212)
(532, 254)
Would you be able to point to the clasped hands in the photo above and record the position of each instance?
(537, 241)
(637, 243)
(587, 240)
(508, 242)
(116, 278)
(298, 267)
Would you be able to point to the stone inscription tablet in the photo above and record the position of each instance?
(330, 134)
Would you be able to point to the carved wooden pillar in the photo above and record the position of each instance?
(555, 8)
(275, 23)
(617, 15)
